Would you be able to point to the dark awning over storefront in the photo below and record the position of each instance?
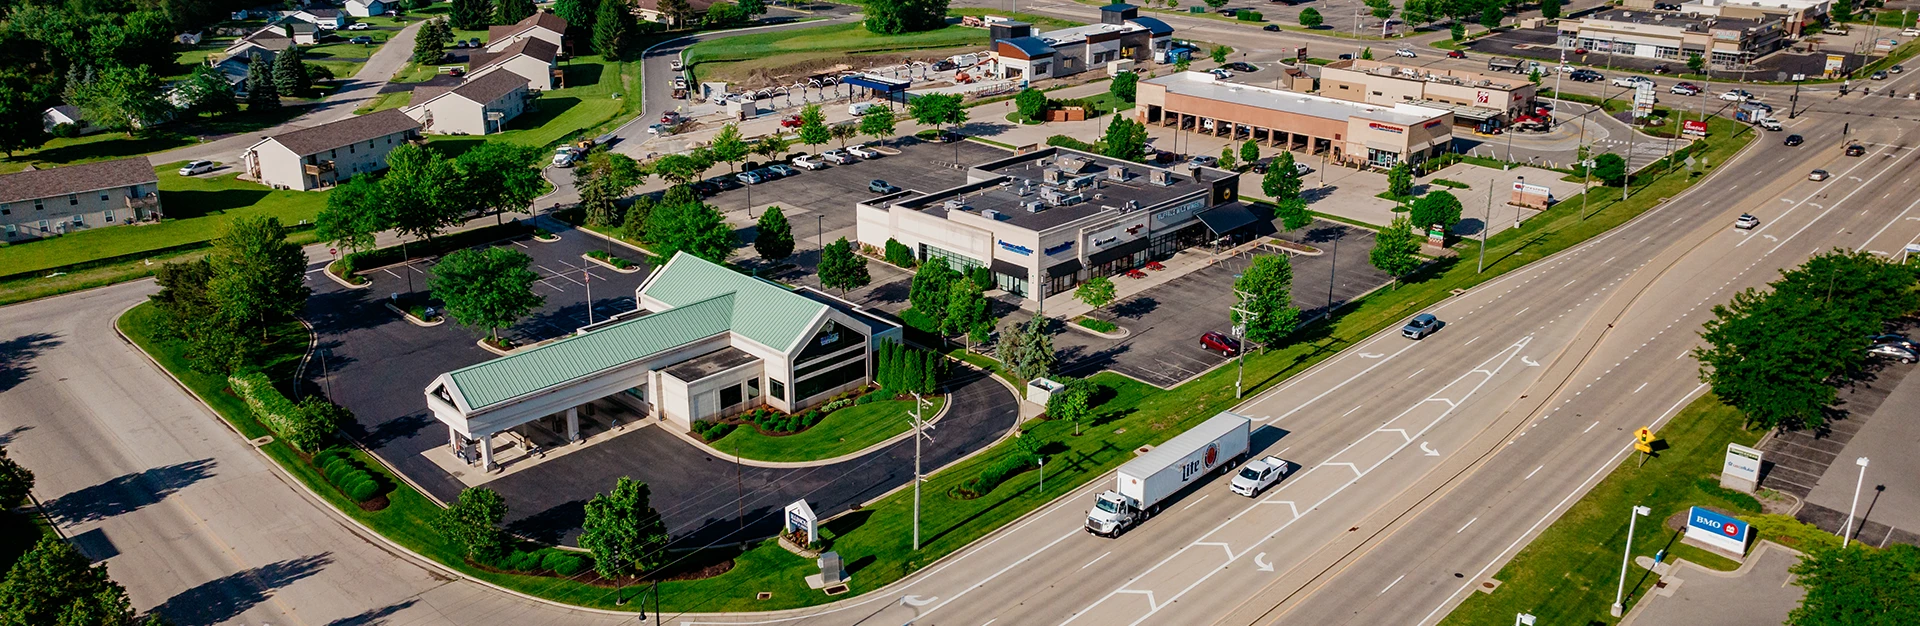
(881, 84)
(1127, 249)
(1064, 269)
(1226, 218)
(1003, 267)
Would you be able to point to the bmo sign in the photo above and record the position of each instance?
(1723, 532)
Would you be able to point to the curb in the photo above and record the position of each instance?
(607, 265)
(1123, 334)
(327, 269)
(719, 454)
(407, 316)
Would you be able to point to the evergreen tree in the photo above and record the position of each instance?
(512, 11)
(774, 236)
(290, 73)
(611, 28)
(1457, 30)
(430, 42)
(1550, 9)
(262, 92)
(1027, 350)
(471, 14)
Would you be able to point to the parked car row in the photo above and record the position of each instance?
(810, 162)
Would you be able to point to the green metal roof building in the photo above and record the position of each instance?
(705, 342)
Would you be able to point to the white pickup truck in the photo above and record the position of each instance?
(1257, 476)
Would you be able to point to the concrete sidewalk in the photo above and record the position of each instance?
(1760, 592)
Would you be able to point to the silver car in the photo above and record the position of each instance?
(1894, 351)
(1422, 325)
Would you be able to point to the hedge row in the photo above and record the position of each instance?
(348, 475)
(776, 422)
(991, 477)
(711, 431)
(899, 254)
(268, 405)
(560, 562)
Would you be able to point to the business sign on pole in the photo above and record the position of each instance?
(1836, 63)
(1741, 469)
(1643, 99)
(1714, 530)
(1536, 197)
(1694, 127)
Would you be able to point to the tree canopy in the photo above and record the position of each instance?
(1031, 104)
(1610, 168)
(486, 287)
(624, 533)
(1858, 586)
(1027, 349)
(691, 227)
(1266, 295)
(841, 269)
(877, 123)
(1124, 139)
(1395, 249)
(471, 14)
(1096, 292)
(892, 17)
(1310, 18)
(1124, 86)
(773, 236)
(499, 176)
(1438, 207)
(473, 522)
(259, 277)
(53, 584)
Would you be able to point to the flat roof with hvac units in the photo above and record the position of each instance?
(1054, 217)
(1348, 132)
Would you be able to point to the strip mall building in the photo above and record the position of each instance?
(1351, 133)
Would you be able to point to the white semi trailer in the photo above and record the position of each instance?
(1144, 483)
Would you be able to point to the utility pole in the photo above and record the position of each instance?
(1626, 557)
(1331, 271)
(919, 431)
(1626, 180)
(1521, 182)
(1246, 319)
(1485, 225)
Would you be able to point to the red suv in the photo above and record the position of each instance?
(1226, 346)
(792, 121)
(1456, 54)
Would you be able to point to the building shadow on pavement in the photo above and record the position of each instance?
(127, 493)
(225, 598)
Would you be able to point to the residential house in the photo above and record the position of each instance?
(541, 25)
(479, 106)
(368, 8)
(531, 58)
(65, 114)
(322, 18)
(43, 203)
(325, 155)
(650, 9)
(277, 36)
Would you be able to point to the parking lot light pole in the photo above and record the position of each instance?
(1626, 557)
(1847, 531)
(1485, 225)
(1521, 182)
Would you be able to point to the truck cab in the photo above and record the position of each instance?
(1257, 476)
(1112, 514)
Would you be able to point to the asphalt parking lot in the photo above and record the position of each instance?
(377, 364)
(1166, 322)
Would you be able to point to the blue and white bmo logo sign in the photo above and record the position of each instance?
(1720, 531)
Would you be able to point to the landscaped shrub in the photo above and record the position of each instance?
(1097, 325)
(1063, 141)
(524, 561)
(712, 431)
(998, 472)
(899, 254)
(1249, 16)
(562, 562)
(347, 474)
(364, 490)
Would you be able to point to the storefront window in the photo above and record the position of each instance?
(777, 389)
(730, 396)
(957, 262)
(753, 388)
(1382, 158)
(1016, 285)
(827, 380)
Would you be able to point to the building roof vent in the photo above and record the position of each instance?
(1163, 178)
(1117, 173)
(1033, 206)
(955, 204)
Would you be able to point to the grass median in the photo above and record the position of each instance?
(875, 540)
(841, 432)
(1569, 574)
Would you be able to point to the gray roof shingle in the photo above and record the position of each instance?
(490, 87)
(336, 134)
(73, 179)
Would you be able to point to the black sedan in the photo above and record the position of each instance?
(1794, 140)
(1271, 28)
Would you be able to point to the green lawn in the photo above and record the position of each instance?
(841, 432)
(1569, 574)
(874, 541)
(197, 208)
(344, 59)
(586, 107)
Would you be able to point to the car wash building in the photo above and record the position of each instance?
(1046, 220)
(705, 342)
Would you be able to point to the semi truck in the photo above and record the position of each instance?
(1144, 484)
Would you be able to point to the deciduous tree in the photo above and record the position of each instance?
(753, 9)
(500, 176)
(1293, 213)
(16, 481)
(841, 269)
(473, 522)
(21, 101)
(486, 287)
(1124, 86)
(690, 227)
(1265, 290)
(677, 12)
(1457, 30)
(1550, 9)
(1610, 167)
(355, 212)
(1124, 139)
(1249, 151)
(1096, 292)
(728, 147)
(1858, 586)
(624, 533)
(967, 312)
(1282, 180)
(259, 278)
(1439, 207)
(419, 191)
(773, 237)
(877, 123)
(1030, 103)
(932, 282)
(54, 584)
(1219, 54)
(843, 132)
(1395, 249)
(813, 126)
(1073, 402)
(120, 98)
(1491, 16)
(1400, 180)
(1310, 18)
(579, 14)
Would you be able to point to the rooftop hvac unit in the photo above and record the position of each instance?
(1051, 195)
(1117, 173)
(1131, 205)
(990, 214)
(1163, 178)
(955, 204)
(1072, 165)
(1053, 176)
(1082, 182)
(1025, 188)
(1033, 206)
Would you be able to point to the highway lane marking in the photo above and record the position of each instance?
(1824, 211)
(1896, 219)
(1190, 504)
(1390, 585)
(1504, 357)
(1571, 282)
(1642, 385)
(1402, 431)
(1590, 427)
(1535, 471)
(1349, 412)
(1337, 387)
(1415, 373)
(1097, 558)
(1550, 514)
(1469, 342)
(1463, 527)
(1522, 310)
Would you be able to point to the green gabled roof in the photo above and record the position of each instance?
(704, 299)
(542, 367)
(766, 313)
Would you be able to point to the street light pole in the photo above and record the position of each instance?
(1246, 319)
(1521, 182)
(1847, 533)
(1485, 225)
(1331, 272)
(1620, 592)
(919, 431)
